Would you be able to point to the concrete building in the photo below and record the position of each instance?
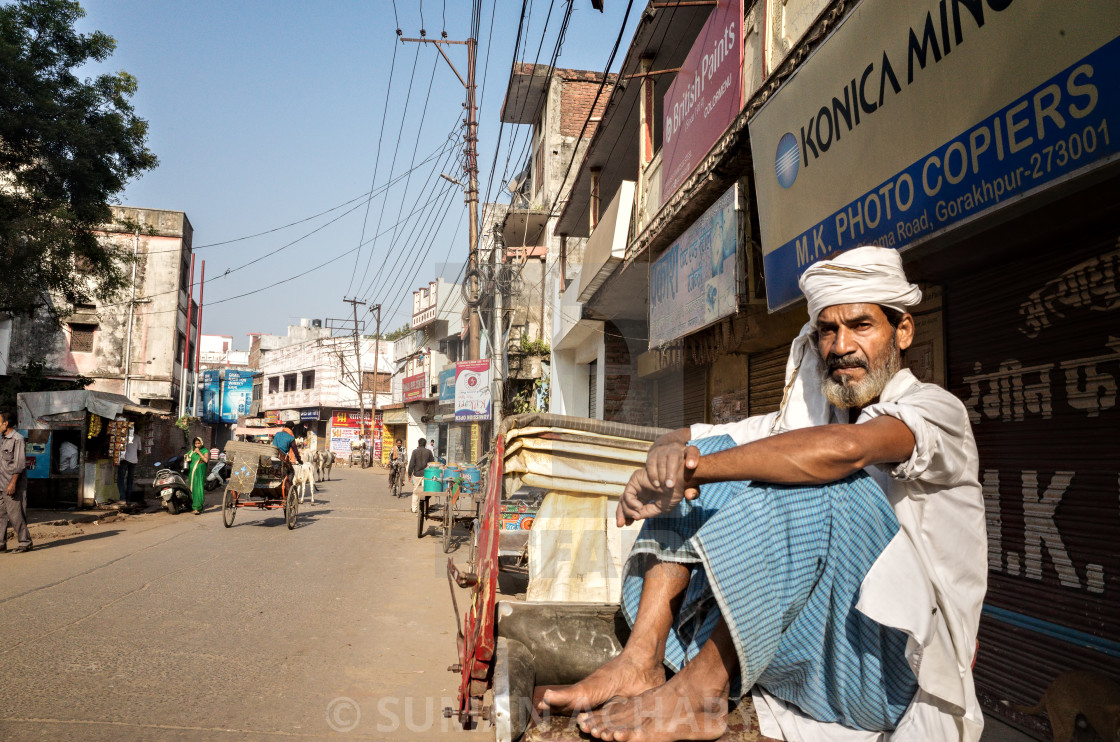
(217, 351)
(316, 374)
(563, 107)
(134, 345)
(822, 125)
(431, 349)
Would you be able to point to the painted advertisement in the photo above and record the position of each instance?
(472, 391)
(447, 386)
(413, 387)
(705, 97)
(237, 394)
(211, 397)
(886, 135)
(695, 282)
(346, 432)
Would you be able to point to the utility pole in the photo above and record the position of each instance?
(361, 397)
(471, 138)
(376, 369)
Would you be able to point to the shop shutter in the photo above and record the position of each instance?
(1034, 352)
(592, 388)
(695, 391)
(766, 380)
(670, 401)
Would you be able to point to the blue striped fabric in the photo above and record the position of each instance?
(783, 566)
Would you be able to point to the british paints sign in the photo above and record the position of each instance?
(472, 391)
(705, 97)
(915, 118)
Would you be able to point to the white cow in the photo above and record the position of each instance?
(303, 479)
(323, 461)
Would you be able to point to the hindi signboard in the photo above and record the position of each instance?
(705, 97)
(413, 387)
(472, 391)
(695, 282)
(447, 386)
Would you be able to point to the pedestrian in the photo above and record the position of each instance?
(127, 468)
(13, 485)
(417, 463)
(198, 458)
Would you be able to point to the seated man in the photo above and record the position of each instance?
(285, 440)
(829, 558)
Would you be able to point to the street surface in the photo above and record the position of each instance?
(174, 627)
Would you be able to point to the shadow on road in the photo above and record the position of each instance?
(40, 546)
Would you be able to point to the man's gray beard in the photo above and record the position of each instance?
(861, 393)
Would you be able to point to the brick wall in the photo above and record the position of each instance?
(626, 397)
(576, 98)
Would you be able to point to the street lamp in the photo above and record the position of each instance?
(449, 179)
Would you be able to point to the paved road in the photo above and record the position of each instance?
(174, 627)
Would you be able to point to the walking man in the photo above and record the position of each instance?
(127, 468)
(417, 463)
(13, 484)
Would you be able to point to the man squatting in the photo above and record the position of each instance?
(828, 558)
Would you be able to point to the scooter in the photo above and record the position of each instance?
(219, 473)
(172, 488)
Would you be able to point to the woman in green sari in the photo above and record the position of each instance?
(198, 458)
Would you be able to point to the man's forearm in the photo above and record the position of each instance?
(809, 455)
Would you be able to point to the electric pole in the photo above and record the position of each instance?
(376, 369)
(360, 385)
(471, 138)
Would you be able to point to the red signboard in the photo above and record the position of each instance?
(345, 419)
(705, 97)
(414, 387)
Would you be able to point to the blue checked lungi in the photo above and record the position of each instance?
(782, 565)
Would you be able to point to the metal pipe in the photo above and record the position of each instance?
(186, 345)
(198, 339)
(131, 311)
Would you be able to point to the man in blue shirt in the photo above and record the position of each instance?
(285, 440)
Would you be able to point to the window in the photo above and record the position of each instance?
(81, 338)
(274, 385)
(308, 379)
(289, 382)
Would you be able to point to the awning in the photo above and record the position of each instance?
(36, 409)
(394, 417)
(246, 430)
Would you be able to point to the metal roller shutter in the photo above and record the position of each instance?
(1034, 353)
(592, 388)
(767, 380)
(695, 394)
(670, 402)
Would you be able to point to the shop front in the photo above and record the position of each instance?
(1004, 205)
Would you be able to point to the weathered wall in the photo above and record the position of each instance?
(626, 397)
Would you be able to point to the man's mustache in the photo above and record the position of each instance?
(838, 362)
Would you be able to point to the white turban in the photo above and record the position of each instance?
(863, 275)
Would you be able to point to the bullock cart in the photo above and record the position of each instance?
(260, 477)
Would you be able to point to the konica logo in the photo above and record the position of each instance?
(787, 161)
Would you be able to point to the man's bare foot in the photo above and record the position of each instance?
(676, 710)
(623, 676)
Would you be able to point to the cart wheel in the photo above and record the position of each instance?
(448, 524)
(291, 507)
(229, 507)
(421, 513)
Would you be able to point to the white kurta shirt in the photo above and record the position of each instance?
(931, 578)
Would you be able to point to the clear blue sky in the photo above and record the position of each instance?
(265, 113)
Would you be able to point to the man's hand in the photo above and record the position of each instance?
(644, 497)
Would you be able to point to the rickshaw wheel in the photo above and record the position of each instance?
(291, 507)
(421, 513)
(229, 507)
(448, 524)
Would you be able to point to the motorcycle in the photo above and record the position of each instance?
(172, 488)
(219, 473)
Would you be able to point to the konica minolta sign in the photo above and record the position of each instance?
(914, 117)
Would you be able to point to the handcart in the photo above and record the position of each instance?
(457, 505)
(260, 477)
